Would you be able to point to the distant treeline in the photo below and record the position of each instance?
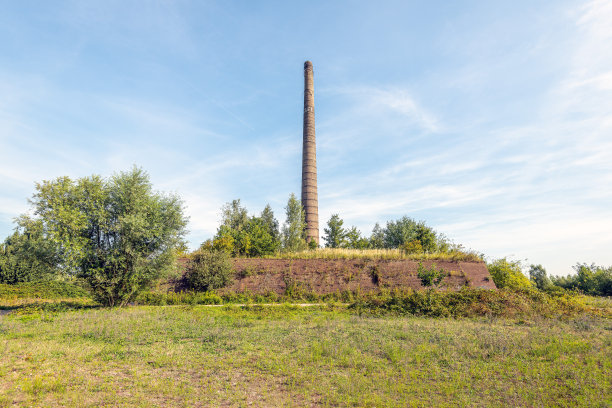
(241, 235)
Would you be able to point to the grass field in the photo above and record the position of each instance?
(177, 356)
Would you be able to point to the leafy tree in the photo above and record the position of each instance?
(224, 240)
(260, 241)
(294, 229)
(377, 239)
(398, 232)
(28, 254)
(267, 216)
(335, 234)
(538, 276)
(508, 274)
(354, 239)
(590, 279)
(241, 235)
(117, 234)
(234, 216)
(208, 270)
(426, 236)
(207, 245)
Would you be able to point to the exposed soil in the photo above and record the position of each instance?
(323, 276)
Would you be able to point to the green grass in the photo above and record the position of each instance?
(287, 356)
(42, 290)
(384, 254)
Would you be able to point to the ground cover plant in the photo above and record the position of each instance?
(43, 289)
(290, 356)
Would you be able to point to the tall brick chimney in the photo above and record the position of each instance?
(310, 200)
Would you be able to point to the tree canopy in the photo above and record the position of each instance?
(28, 254)
(294, 229)
(241, 235)
(118, 234)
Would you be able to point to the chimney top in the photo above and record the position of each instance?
(308, 65)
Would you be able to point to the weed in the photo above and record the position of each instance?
(431, 276)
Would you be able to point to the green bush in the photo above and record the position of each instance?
(430, 276)
(208, 270)
(469, 302)
(508, 274)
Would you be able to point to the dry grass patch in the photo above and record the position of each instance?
(375, 254)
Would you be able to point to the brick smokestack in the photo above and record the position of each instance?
(310, 200)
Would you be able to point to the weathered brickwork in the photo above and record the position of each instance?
(310, 200)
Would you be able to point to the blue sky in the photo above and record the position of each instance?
(492, 122)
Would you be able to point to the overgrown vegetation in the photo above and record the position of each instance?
(278, 356)
(208, 270)
(43, 290)
(508, 274)
(388, 254)
(469, 302)
(431, 276)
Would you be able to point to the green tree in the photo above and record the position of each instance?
(377, 239)
(508, 274)
(335, 234)
(589, 279)
(117, 234)
(426, 236)
(260, 241)
(267, 216)
(241, 235)
(294, 229)
(355, 240)
(234, 216)
(398, 232)
(538, 277)
(28, 254)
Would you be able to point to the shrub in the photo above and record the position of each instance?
(430, 276)
(43, 290)
(208, 270)
(507, 274)
(413, 247)
(470, 302)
